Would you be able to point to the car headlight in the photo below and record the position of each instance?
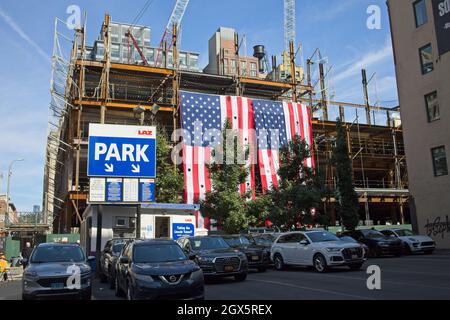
(333, 249)
(143, 277)
(31, 275)
(197, 274)
(413, 240)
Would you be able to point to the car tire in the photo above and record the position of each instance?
(278, 262)
(355, 266)
(406, 249)
(240, 277)
(117, 290)
(320, 263)
(103, 277)
(262, 269)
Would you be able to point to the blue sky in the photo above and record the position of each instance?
(337, 27)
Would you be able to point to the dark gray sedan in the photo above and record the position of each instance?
(57, 271)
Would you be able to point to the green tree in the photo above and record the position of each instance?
(300, 188)
(169, 182)
(225, 204)
(347, 199)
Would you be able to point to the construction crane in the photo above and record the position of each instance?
(174, 20)
(289, 23)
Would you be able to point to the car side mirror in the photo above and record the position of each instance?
(124, 260)
(304, 242)
(193, 257)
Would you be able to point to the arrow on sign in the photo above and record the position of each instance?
(109, 167)
(136, 168)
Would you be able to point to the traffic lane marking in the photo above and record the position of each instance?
(313, 289)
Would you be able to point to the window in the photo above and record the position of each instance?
(420, 12)
(115, 53)
(432, 104)
(253, 74)
(225, 66)
(439, 161)
(253, 66)
(426, 59)
(193, 62)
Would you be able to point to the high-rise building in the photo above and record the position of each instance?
(421, 40)
(223, 59)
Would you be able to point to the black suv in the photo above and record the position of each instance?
(216, 257)
(258, 257)
(108, 259)
(378, 243)
(157, 270)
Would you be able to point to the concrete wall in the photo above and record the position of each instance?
(431, 194)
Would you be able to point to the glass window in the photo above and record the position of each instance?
(253, 66)
(193, 62)
(322, 236)
(432, 104)
(426, 59)
(208, 243)
(439, 161)
(253, 73)
(404, 233)
(237, 241)
(115, 52)
(420, 12)
(158, 253)
(182, 60)
(150, 56)
(57, 253)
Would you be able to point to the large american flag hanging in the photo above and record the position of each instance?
(276, 124)
(203, 118)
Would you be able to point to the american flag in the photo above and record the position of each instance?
(276, 124)
(203, 118)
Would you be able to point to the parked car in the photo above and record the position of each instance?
(258, 257)
(350, 239)
(379, 244)
(262, 230)
(216, 257)
(412, 243)
(51, 273)
(157, 269)
(266, 240)
(109, 258)
(320, 249)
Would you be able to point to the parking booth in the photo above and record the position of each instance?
(121, 221)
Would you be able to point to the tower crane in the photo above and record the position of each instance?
(174, 20)
(289, 23)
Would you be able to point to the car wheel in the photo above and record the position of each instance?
(240, 277)
(262, 269)
(320, 264)
(278, 262)
(406, 249)
(103, 277)
(356, 266)
(117, 291)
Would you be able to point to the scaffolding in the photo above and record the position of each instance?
(90, 91)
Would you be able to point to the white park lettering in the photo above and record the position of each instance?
(128, 152)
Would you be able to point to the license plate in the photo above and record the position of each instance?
(255, 258)
(354, 256)
(229, 268)
(57, 285)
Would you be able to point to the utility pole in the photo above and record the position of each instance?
(293, 73)
(366, 96)
(238, 64)
(8, 189)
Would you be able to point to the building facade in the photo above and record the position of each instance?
(421, 40)
(223, 59)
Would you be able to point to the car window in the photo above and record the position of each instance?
(404, 233)
(117, 248)
(372, 234)
(45, 254)
(237, 241)
(322, 236)
(158, 253)
(208, 243)
(347, 239)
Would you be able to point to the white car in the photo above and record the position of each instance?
(319, 249)
(412, 243)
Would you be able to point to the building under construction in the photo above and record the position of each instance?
(121, 78)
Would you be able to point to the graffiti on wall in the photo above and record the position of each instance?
(439, 227)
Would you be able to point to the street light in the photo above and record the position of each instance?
(8, 188)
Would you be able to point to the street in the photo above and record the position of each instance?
(409, 277)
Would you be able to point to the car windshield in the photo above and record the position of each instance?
(47, 254)
(348, 239)
(237, 241)
(404, 233)
(157, 253)
(267, 240)
(322, 236)
(372, 234)
(117, 248)
(208, 243)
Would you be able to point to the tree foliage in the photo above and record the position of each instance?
(300, 188)
(347, 199)
(170, 183)
(224, 203)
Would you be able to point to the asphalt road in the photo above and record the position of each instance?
(411, 277)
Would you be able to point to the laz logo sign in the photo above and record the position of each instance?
(145, 132)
